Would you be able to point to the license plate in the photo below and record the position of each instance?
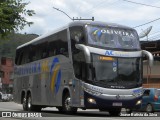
(116, 104)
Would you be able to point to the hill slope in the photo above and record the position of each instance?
(8, 46)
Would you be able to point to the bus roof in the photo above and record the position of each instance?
(75, 23)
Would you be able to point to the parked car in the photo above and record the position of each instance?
(6, 97)
(0, 96)
(10, 97)
(151, 100)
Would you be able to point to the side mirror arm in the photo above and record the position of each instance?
(86, 52)
(149, 56)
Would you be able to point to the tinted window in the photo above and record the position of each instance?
(146, 93)
(18, 58)
(77, 35)
(55, 44)
(58, 44)
(22, 56)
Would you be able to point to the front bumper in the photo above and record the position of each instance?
(102, 103)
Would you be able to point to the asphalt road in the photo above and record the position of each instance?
(11, 110)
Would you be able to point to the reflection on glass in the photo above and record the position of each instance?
(123, 71)
(113, 37)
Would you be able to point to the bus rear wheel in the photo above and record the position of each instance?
(67, 105)
(24, 103)
(30, 106)
(29, 103)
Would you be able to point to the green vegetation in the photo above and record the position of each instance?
(12, 14)
(9, 45)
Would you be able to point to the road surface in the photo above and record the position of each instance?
(11, 110)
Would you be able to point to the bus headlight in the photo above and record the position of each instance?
(139, 102)
(137, 92)
(91, 100)
(92, 92)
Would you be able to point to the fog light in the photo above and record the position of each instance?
(138, 102)
(90, 100)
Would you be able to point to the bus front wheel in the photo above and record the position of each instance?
(67, 105)
(115, 112)
(129, 111)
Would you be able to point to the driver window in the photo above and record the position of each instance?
(77, 34)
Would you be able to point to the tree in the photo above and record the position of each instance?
(12, 16)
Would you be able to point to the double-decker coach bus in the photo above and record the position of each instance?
(87, 65)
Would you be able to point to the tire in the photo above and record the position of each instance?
(129, 111)
(115, 112)
(60, 109)
(30, 106)
(149, 108)
(24, 103)
(66, 105)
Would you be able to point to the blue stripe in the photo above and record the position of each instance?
(55, 60)
(58, 82)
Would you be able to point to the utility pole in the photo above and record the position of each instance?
(63, 12)
(73, 19)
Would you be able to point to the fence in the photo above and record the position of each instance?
(151, 85)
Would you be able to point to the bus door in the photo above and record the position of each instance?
(78, 61)
(75, 92)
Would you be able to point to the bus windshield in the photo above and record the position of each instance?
(112, 37)
(112, 71)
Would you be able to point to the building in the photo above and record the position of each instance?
(151, 75)
(6, 74)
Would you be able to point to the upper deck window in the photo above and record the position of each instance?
(113, 37)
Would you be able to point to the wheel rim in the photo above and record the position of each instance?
(67, 103)
(128, 111)
(24, 103)
(29, 102)
(149, 108)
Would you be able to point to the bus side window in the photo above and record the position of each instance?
(44, 50)
(63, 43)
(58, 44)
(19, 57)
(52, 48)
(32, 53)
(25, 55)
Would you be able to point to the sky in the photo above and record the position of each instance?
(123, 12)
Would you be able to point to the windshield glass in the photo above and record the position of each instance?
(117, 71)
(113, 37)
